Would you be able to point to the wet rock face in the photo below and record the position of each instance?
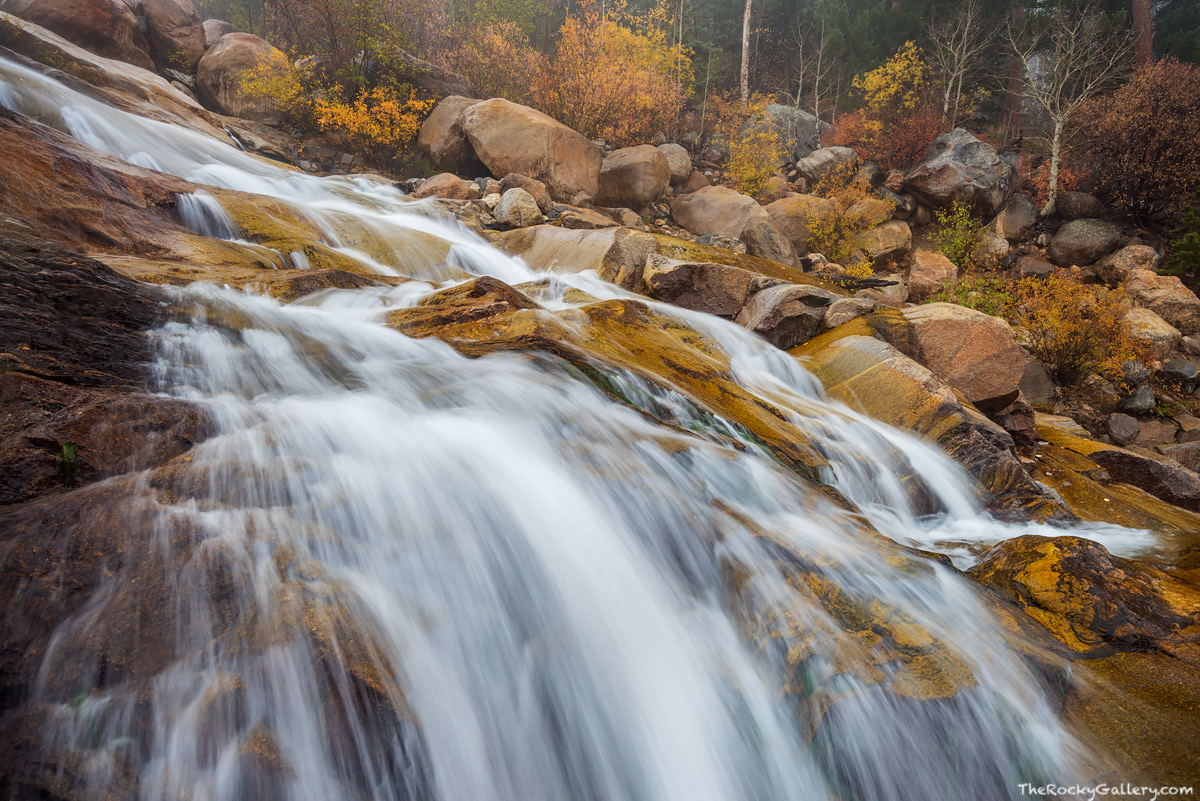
(1092, 600)
(73, 335)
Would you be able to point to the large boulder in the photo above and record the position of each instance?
(820, 163)
(797, 217)
(175, 33)
(219, 76)
(961, 169)
(1016, 220)
(633, 177)
(764, 240)
(105, 27)
(1156, 333)
(214, 29)
(786, 315)
(976, 353)
(716, 210)
(886, 242)
(1078, 206)
(1083, 242)
(442, 138)
(701, 286)
(1166, 296)
(508, 137)
(678, 160)
(798, 130)
(928, 273)
(1116, 267)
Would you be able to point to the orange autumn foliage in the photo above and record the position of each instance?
(497, 60)
(379, 122)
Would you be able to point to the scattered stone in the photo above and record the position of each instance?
(1116, 267)
(1156, 432)
(1186, 454)
(991, 251)
(1018, 419)
(679, 161)
(1140, 401)
(764, 240)
(821, 162)
(1147, 327)
(1122, 428)
(962, 169)
(1037, 385)
(214, 29)
(490, 200)
(723, 242)
(537, 190)
(886, 242)
(1034, 267)
(626, 217)
(800, 130)
(716, 210)
(843, 310)
(786, 315)
(700, 286)
(1078, 206)
(1167, 297)
(928, 274)
(580, 219)
(776, 188)
(1016, 220)
(447, 186)
(1083, 242)
(1183, 373)
(517, 209)
(633, 177)
(796, 216)
(694, 182)
(1190, 345)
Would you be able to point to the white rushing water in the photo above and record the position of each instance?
(401, 573)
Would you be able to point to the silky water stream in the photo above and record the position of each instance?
(397, 572)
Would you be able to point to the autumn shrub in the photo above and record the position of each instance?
(753, 158)
(1073, 328)
(618, 77)
(1141, 140)
(1035, 181)
(898, 120)
(273, 82)
(959, 233)
(496, 59)
(990, 294)
(837, 235)
(379, 122)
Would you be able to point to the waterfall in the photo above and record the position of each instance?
(395, 572)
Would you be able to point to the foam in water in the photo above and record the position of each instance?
(479, 579)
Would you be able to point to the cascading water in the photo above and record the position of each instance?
(395, 572)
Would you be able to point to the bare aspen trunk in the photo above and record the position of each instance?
(1143, 32)
(746, 54)
(1052, 188)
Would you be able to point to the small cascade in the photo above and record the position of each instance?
(203, 214)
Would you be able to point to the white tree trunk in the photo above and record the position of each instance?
(1055, 153)
(746, 55)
